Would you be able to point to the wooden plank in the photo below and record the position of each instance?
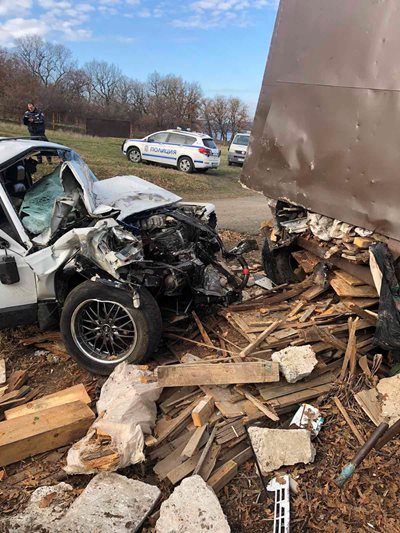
(369, 402)
(272, 392)
(17, 379)
(174, 424)
(203, 332)
(344, 289)
(46, 430)
(300, 397)
(3, 377)
(168, 447)
(260, 339)
(72, 394)
(268, 411)
(176, 397)
(243, 456)
(218, 374)
(183, 469)
(348, 278)
(171, 461)
(351, 350)
(223, 476)
(363, 242)
(349, 421)
(203, 410)
(195, 442)
(210, 461)
(202, 457)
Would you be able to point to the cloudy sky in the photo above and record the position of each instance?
(222, 44)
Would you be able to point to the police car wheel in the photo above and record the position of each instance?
(134, 155)
(185, 164)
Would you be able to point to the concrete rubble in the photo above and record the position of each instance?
(281, 447)
(295, 362)
(192, 507)
(111, 503)
(44, 511)
(389, 394)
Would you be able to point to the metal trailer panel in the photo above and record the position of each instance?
(327, 129)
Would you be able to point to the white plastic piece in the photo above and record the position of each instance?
(281, 486)
(308, 417)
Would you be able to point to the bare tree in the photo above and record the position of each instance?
(105, 82)
(47, 61)
(238, 116)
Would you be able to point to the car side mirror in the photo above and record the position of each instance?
(4, 245)
(8, 270)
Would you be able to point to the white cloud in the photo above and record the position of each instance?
(14, 7)
(205, 14)
(18, 27)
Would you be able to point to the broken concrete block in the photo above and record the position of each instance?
(388, 395)
(46, 507)
(193, 506)
(295, 362)
(281, 447)
(111, 503)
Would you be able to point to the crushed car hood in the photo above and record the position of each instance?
(130, 195)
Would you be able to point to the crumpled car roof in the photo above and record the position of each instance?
(13, 148)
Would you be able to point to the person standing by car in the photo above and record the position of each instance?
(35, 121)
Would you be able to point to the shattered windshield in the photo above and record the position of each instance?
(37, 208)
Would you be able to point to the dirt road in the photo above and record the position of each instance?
(243, 214)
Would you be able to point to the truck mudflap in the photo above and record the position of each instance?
(387, 333)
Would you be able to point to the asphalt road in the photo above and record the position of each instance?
(243, 214)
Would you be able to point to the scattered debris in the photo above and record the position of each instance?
(192, 506)
(281, 447)
(126, 412)
(307, 417)
(281, 487)
(295, 362)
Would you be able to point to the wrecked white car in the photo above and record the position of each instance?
(102, 256)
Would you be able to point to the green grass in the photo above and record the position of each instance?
(105, 158)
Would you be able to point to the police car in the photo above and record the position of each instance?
(185, 150)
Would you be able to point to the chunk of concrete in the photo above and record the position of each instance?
(44, 511)
(295, 362)
(192, 507)
(388, 395)
(281, 447)
(111, 503)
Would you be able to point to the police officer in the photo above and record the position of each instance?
(34, 120)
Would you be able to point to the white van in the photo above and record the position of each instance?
(185, 150)
(238, 149)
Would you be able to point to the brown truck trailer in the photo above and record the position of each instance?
(325, 145)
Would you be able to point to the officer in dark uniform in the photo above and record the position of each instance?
(35, 121)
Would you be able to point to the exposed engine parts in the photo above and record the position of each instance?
(172, 253)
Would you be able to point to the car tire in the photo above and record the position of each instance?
(278, 262)
(93, 305)
(134, 155)
(230, 163)
(185, 164)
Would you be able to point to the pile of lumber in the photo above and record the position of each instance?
(44, 424)
(210, 398)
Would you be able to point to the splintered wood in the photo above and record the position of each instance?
(210, 398)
